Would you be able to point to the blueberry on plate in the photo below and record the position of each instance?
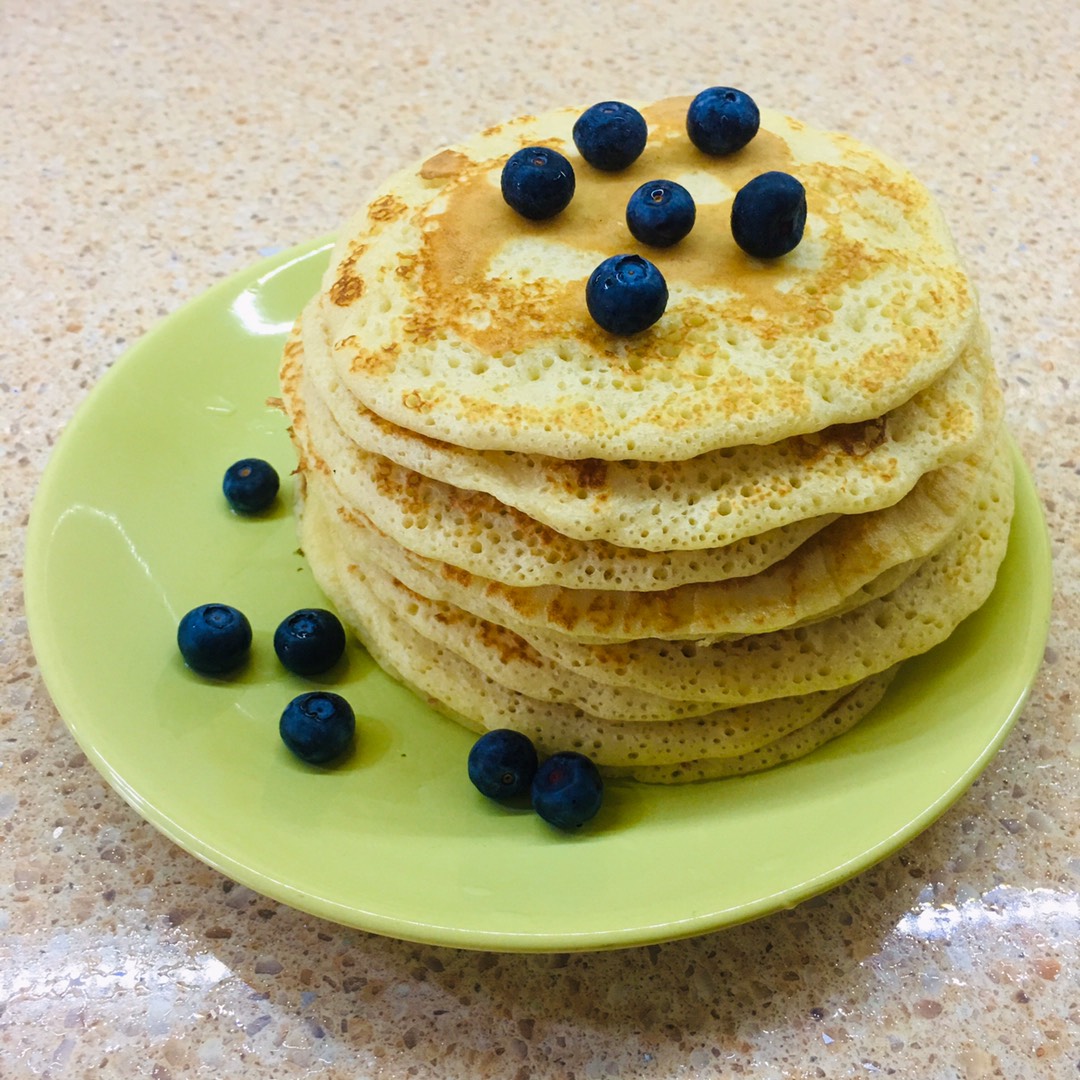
(214, 638)
(538, 182)
(567, 790)
(317, 726)
(768, 215)
(610, 135)
(309, 641)
(660, 213)
(250, 485)
(626, 294)
(721, 120)
(502, 763)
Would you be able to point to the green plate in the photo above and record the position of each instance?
(129, 531)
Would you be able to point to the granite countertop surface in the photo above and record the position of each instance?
(149, 150)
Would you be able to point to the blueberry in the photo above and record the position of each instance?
(567, 790)
(317, 726)
(250, 485)
(660, 213)
(768, 215)
(502, 763)
(538, 182)
(214, 638)
(309, 641)
(610, 135)
(721, 120)
(625, 294)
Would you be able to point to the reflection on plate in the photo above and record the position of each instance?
(129, 531)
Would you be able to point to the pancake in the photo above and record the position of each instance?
(712, 500)
(445, 313)
(818, 577)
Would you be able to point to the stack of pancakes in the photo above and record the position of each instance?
(693, 552)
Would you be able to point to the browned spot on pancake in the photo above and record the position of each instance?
(580, 415)
(909, 197)
(509, 646)
(349, 285)
(419, 326)
(667, 116)
(348, 288)
(444, 164)
(406, 267)
(591, 472)
(562, 614)
(351, 517)
(373, 361)
(420, 401)
(390, 428)
(386, 208)
(294, 346)
(402, 485)
(455, 574)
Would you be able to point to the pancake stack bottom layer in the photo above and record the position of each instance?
(696, 552)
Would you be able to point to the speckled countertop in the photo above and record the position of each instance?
(147, 150)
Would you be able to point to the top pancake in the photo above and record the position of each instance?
(448, 314)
